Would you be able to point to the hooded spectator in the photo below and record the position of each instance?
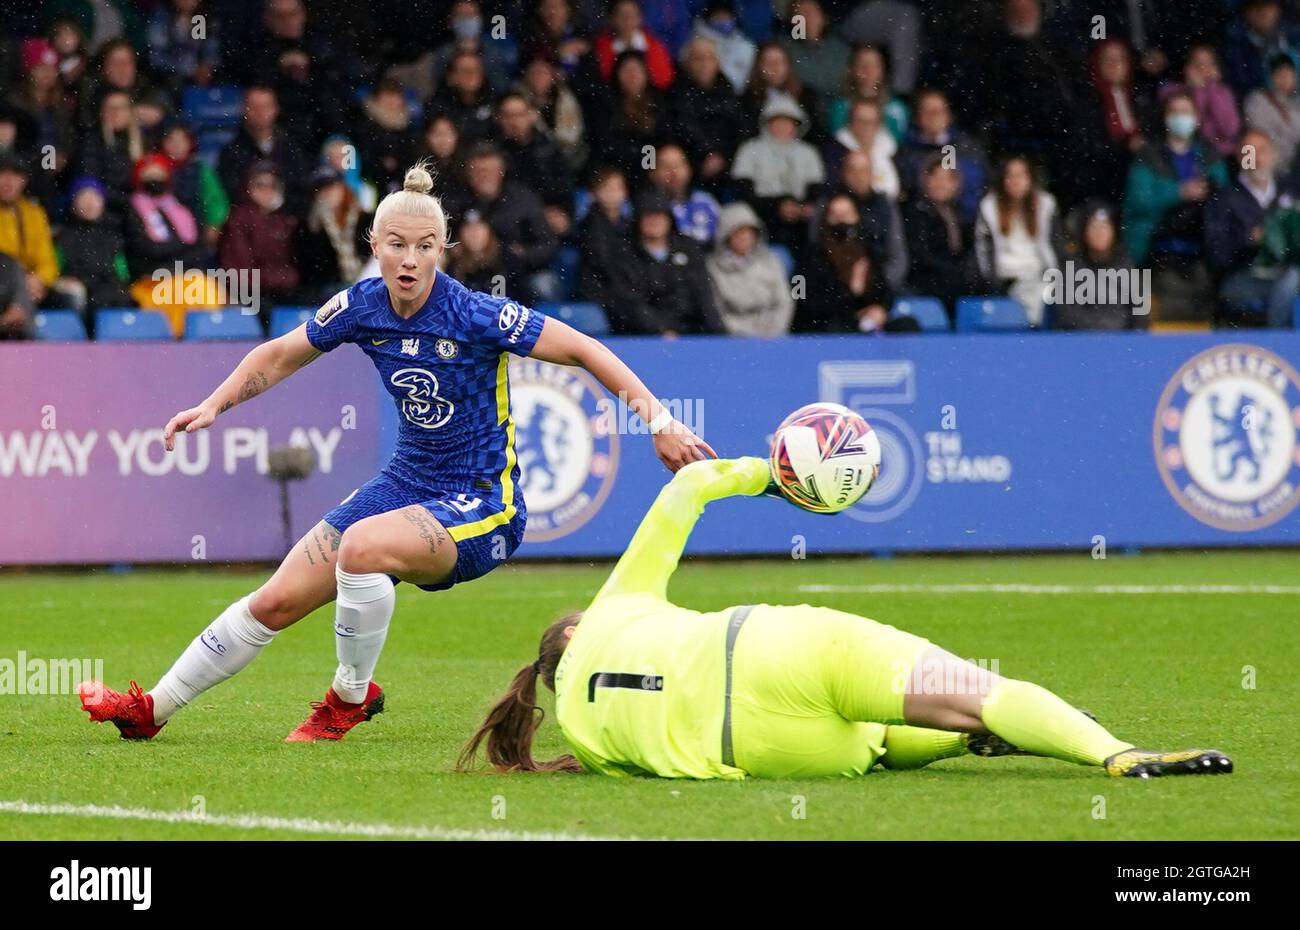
(750, 288)
(781, 174)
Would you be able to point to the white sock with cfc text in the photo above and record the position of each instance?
(361, 617)
(228, 644)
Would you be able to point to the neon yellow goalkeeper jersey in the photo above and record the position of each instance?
(641, 687)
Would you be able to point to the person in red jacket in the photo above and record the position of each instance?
(626, 32)
(260, 236)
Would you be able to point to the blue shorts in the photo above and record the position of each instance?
(477, 521)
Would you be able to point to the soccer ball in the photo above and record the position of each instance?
(824, 457)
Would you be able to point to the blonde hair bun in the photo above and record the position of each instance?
(418, 179)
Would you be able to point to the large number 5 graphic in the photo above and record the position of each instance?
(422, 405)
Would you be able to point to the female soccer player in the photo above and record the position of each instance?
(643, 687)
(445, 509)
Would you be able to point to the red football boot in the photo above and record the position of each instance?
(131, 713)
(333, 717)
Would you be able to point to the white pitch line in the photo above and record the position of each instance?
(1049, 589)
(292, 824)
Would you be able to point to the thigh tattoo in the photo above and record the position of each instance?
(430, 530)
(325, 540)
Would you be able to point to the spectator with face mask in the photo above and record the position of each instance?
(471, 33)
(160, 231)
(846, 290)
(717, 23)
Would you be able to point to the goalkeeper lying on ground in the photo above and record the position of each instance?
(644, 687)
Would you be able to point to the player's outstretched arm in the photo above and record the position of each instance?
(651, 557)
(674, 443)
(261, 369)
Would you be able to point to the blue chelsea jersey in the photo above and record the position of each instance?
(445, 368)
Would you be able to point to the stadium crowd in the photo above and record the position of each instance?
(692, 166)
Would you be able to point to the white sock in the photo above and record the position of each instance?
(361, 615)
(232, 641)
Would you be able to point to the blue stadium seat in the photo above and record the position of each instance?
(60, 326)
(584, 317)
(219, 107)
(131, 325)
(221, 325)
(287, 319)
(782, 253)
(990, 314)
(927, 311)
(566, 266)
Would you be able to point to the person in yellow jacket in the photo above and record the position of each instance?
(644, 687)
(25, 229)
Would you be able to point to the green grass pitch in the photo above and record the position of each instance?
(1163, 669)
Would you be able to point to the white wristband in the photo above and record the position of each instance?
(660, 421)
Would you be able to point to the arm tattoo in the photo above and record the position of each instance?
(226, 406)
(255, 385)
